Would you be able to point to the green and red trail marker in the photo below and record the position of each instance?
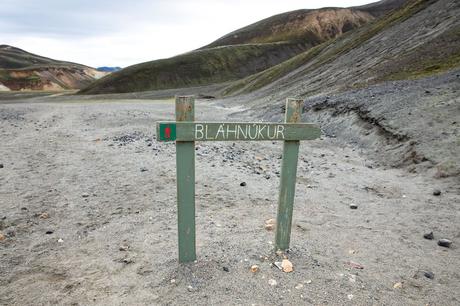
(185, 131)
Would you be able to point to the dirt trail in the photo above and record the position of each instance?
(109, 190)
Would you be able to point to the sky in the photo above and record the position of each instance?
(123, 32)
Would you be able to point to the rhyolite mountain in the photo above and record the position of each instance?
(21, 70)
(244, 52)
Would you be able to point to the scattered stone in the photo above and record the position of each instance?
(242, 184)
(124, 248)
(143, 169)
(127, 260)
(398, 285)
(444, 243)
(270, 224)
(287, 266)
(272, 282)
(173, 281)
(44, 215)
(85, 195)
(427, 91)
(355, 265)
(254, 268)
(350, 296)
(2, 236)
(49, 232)
(299, 286)
(278, 265)
(353, 206)
(428, 274)
(308, 281)
(429, 236)
(191, 289)
(436, 192)
(1, 166)
(226, 269)
(60, 240)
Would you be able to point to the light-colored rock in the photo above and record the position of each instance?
(254, 268)
(270, 224)
(287, 266)
(272, 282)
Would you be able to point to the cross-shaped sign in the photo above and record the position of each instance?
(185, 132)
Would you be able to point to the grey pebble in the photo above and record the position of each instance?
(353, 206)
(436, 192)
(428, 274)
(243, 184)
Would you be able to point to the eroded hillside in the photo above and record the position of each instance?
(21, 70)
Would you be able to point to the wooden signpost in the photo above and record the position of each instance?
(185, 131)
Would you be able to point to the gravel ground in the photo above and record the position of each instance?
(88, 216)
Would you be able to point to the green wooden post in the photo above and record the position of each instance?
(288, 178)
(185, 167)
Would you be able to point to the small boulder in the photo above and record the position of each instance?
(254, 268)
(242, 184)
(436, 192)
(353, 206)
(444, 243)
(287, 266)
(270, 224)
(428, 274)
(429, 236)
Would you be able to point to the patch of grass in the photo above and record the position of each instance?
(427, 68)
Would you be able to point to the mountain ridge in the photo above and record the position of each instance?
(294, 32)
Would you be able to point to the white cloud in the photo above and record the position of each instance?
(122, 33)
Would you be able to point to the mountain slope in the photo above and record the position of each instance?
(370, 54)
(241, 53)
(199, 67)
(314, 26)
(21, 70)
